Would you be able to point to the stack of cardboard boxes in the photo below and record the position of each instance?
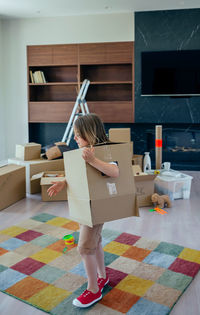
(23, 174)
(144, 182)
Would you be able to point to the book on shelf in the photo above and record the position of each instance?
(31, 76)
(39, 77)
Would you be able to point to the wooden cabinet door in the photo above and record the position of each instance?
(39, 55)
(65, 54)
(106, 53)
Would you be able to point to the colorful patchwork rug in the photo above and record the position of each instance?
(146, 276)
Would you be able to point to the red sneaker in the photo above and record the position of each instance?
(102, 282)
(87, 298)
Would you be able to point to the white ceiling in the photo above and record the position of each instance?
(50, 8)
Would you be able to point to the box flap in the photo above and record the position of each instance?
(144, 178)
(5, 169)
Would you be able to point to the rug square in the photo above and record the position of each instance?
(116, 248)
(29, 224)
(58, 221)
(174, 280)
(28, 235)
(115, 276)
(44, 240)
(45, 228)
(12, 243)
(136, 253)
(48, 297)
(186, 267)
(66, 307)
(79, 270)
(119, 300)
(9, 277)
(134, 285)
(59, 232)
(3, 251)
(26, 288)
(4, 237)
(46, 255)
(147, 307)
(127, 238)
(162, 295)
(48, 274)
(28, 249)
(124, 264)
(190, 255)
(169, 249)
(110, 235)
(109, 258)
(159, 259)
(11, 258)
(101, 309)
(67, 261)
(148, 272)
(74, 226)
(59, 246)
(2, 268)
(27, 266)
(43, 217)
(146, 243)
(70, 282)
(13, 231)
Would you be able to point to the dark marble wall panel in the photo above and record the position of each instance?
(165, 30)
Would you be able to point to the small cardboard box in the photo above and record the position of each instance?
(46, 182)
(37, 166)
(144, 186)
(28, 151)
(120, 134)
(95, 198)
(137, 160)
(12, 185)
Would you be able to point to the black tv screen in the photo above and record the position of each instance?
(171, 73)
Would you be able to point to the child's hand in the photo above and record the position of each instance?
(88, 155)
(56, 188)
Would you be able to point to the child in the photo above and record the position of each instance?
(88, 131)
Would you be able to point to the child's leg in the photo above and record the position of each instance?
(100, 261)
(90, 265)
(89, 240)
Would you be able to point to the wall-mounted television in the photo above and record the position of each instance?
(170, 73)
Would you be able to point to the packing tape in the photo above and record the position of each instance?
(158, 143)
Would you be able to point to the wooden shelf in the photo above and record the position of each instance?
(108, 66)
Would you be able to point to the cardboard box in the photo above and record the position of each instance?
(45, 183)
(137, 160)
(120, 134)
(37, 166)
(12, 185)
(95, 198)
(28, 151)
(144, 186)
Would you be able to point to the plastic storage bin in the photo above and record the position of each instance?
(174, 184)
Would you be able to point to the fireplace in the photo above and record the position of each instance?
(181, 144)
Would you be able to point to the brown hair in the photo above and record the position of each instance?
(91, 129)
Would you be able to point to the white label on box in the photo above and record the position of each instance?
(112, 189)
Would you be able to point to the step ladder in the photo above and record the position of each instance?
(80, 108)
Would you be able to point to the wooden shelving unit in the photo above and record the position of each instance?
(108, 66)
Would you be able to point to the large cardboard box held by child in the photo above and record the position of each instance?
(95, 198)
(12, 185)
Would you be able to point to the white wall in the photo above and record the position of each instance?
(2, 104)
(17, 34)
